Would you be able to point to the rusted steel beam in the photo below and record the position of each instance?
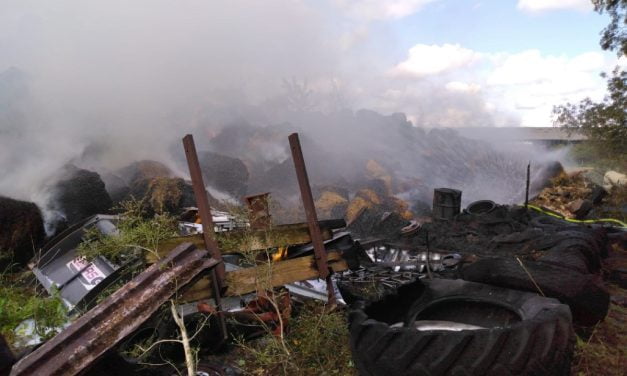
(320, 253)
(308, 203)
(203, 203)
(91, 335)
(198, 184)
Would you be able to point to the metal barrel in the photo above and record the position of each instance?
(446, 203)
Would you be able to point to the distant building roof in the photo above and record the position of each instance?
(521, 134)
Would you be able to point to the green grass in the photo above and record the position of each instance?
(19, 303)
(317, 343)
(137, 235)
(605, 351)
(592, 154)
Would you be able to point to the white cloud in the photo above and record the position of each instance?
(425, 60)
(381, 9)
(460, 86)
(523, 85)
(531, 83)
(531, 67)
(549, 5)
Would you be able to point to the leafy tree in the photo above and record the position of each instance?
(614, 36)
(605, 122)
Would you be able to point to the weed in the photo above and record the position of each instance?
(18, 304)
(605, 351)
(318, 344)
(135, 235)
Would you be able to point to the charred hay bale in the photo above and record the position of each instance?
(162, 194)
(371, 199)
(79, 194)
(546, 174)
(319, 190)
(166, 195)
(364, 199)
(142, 170)
(21, 232)
(280, 179)
(225, 173)
(116, 187)
(376, 172)
(331, 205)
(374, 222)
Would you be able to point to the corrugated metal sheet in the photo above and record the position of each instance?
(91, 335)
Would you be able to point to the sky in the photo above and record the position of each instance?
(441, 62)
(521, 57)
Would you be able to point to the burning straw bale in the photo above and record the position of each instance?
(120, 183)
(369, 199)
(21, 232)
(141, 170)
(331, 205)
(225, 173)
(563, 191)
(577, 196)
(78, 194)
(163, 195)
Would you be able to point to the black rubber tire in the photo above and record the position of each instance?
(588, 300)
(7, 359)
(540, 344)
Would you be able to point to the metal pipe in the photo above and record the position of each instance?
(320, 254)
(204, 210)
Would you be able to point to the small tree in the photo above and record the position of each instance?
(614, 36)
(605, 122)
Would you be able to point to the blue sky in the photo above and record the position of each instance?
(512, 60)
(498, 25)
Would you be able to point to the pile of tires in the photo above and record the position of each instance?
(455, 327)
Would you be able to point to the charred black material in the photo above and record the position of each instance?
(21, 231)
(79, 194)
(7, 359)
(225, 173)
(564, 259)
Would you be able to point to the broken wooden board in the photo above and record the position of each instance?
(251, 240)
(247, 280)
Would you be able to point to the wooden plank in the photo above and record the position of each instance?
(262, 277)
(246, 240)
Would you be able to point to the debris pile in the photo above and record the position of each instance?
(489, 289)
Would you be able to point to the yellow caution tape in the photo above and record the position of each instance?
(552, 214)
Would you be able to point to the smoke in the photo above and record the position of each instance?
(103, 83)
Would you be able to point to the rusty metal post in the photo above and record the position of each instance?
(204, 210)
(527, 185)
(320, 253)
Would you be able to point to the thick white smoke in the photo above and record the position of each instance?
(103, 83)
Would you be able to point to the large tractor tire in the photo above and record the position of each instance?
(456, 327)
(588, 300)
